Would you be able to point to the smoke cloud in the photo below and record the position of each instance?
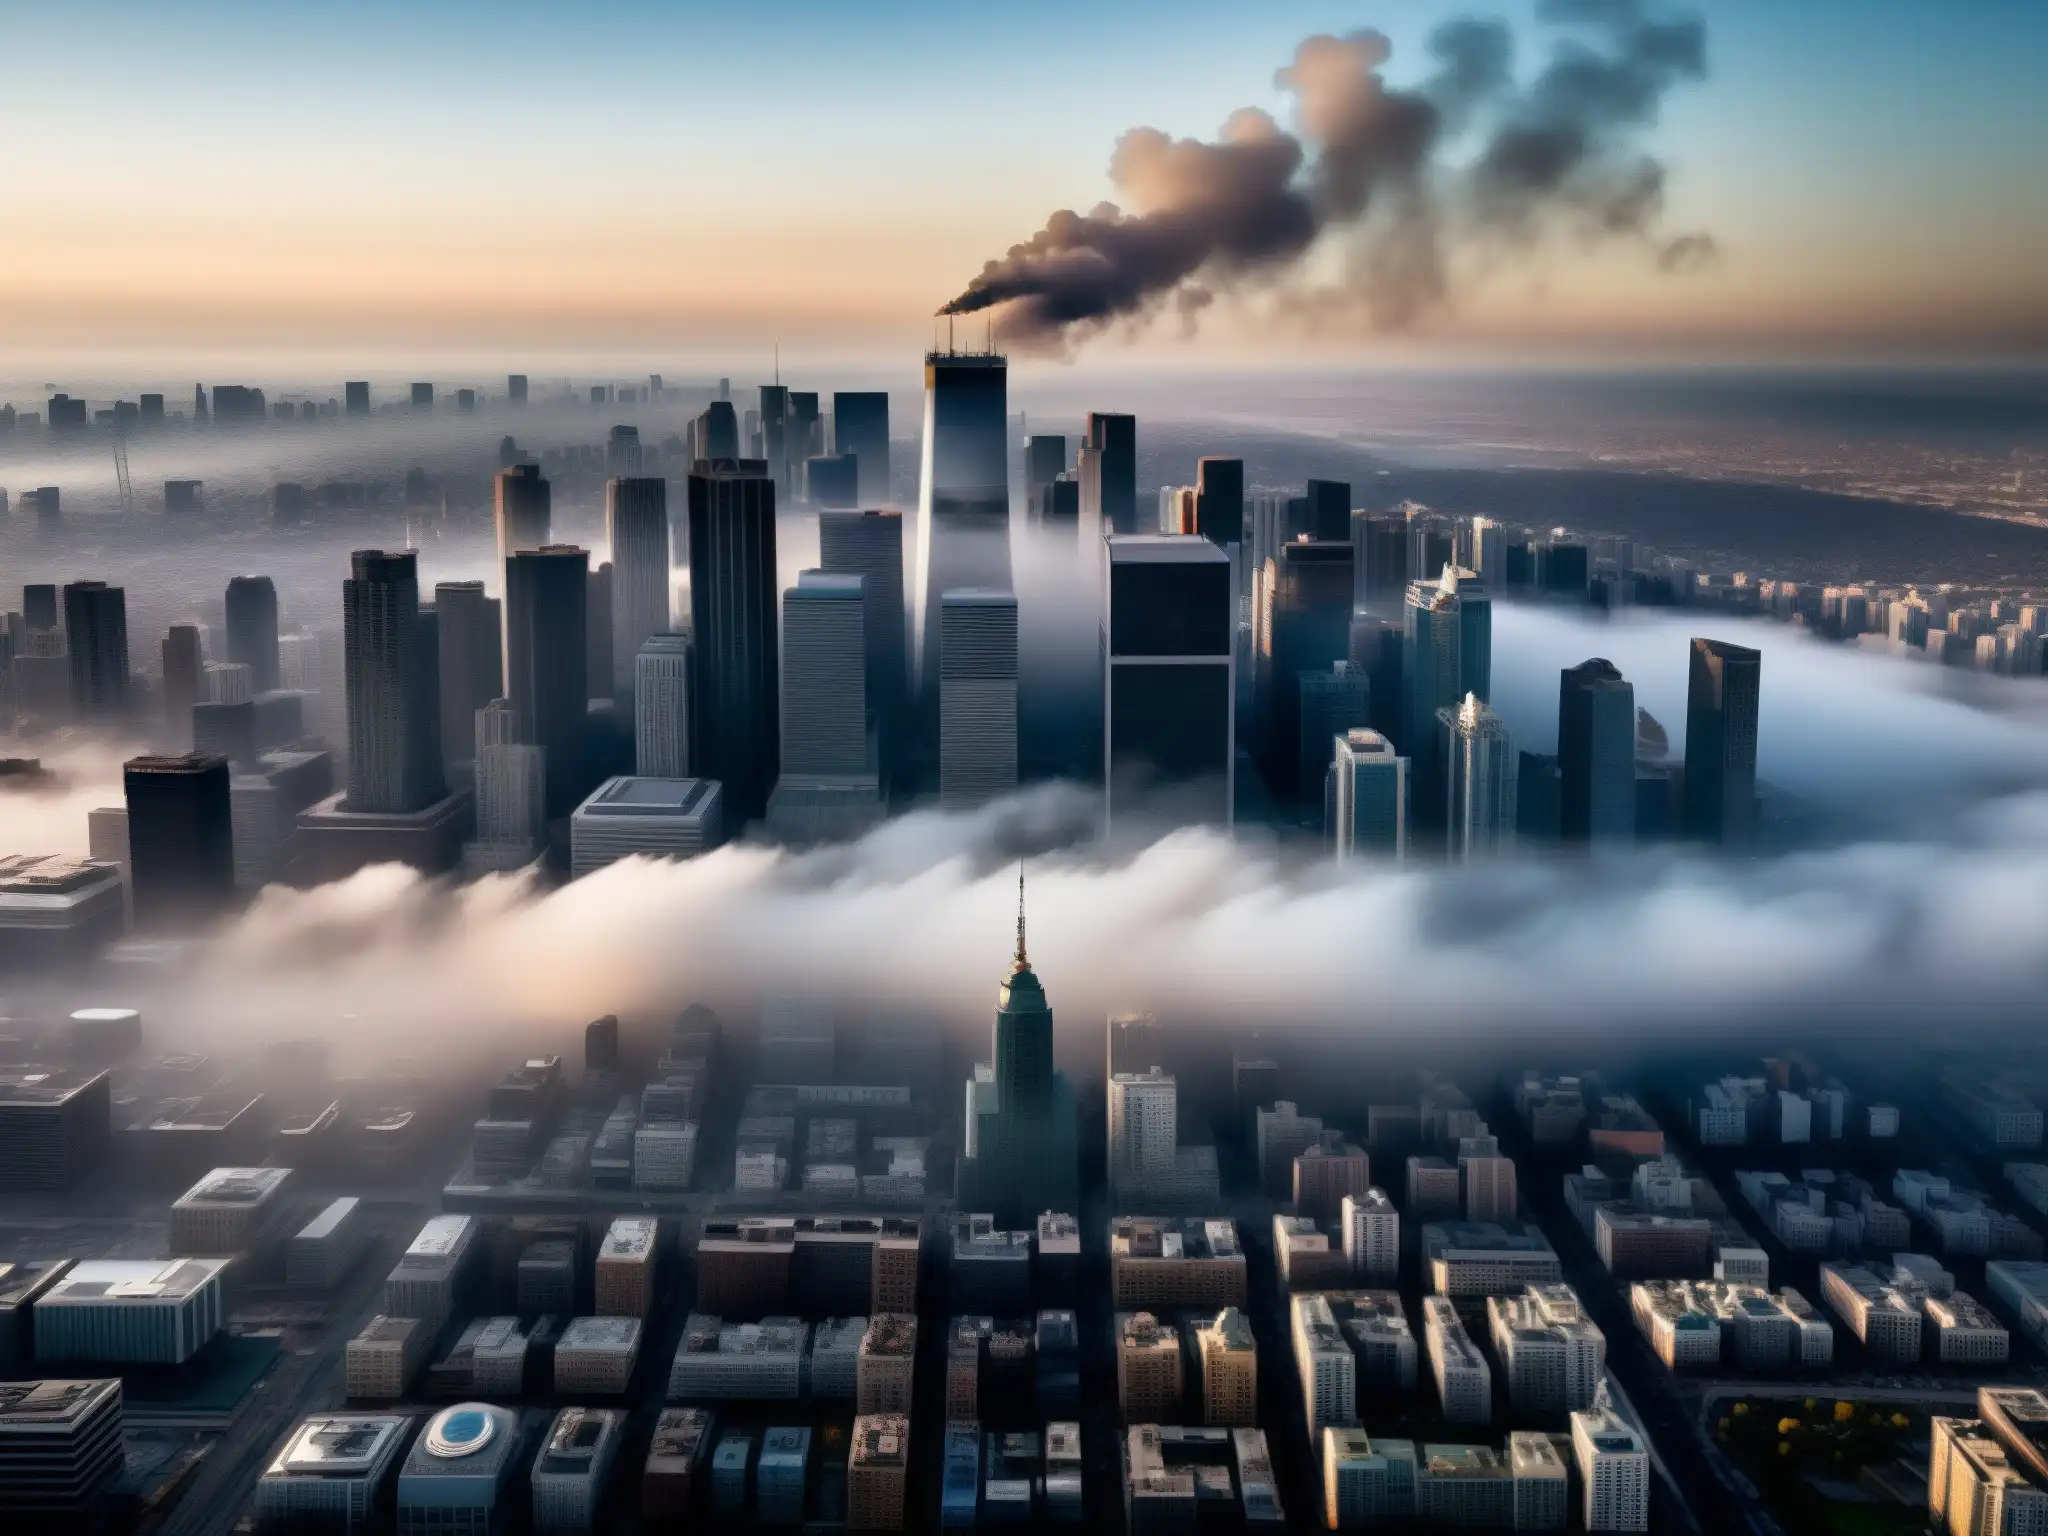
(1409, 186)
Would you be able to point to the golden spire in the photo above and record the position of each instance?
(1022, 963)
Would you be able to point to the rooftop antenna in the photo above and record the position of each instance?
(778, 362)
(1022, 962)
(949, 335)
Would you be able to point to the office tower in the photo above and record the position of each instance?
(1720, 742)
(832, 480)
(1148, 1369)
(546, 662)
(1168, 687)
(964, 498)
(394, 754)
(470, 643)
(877, 1472)
(1045, 460)
(622, 452)
(356, 397)
(515, 388)
(718, 431)
(636, 526)
(1475, 635)
(1432, 665)
(1614, 1471)
(96, 637)
(39, 605)
(870, 545)
(1329, 510)
(182, 676)
(598, 666)
(60, 1450)
(1372, 1235)
(1144, 1126)
(775, 447)
(181, 848)
(1596, 754)
(422, 397)
(524, 510)
(511, 780)
(1088, 480)
(1304, 625)
(1136, 1042)
(860, 426)
(1368, 797)
(735, 703)
(806, 431)
(1479, 779)
(1219, 500)
(828, 786)
(252, 629)
(1115, 437)
(1331, 703)
(661, 707)
(1487, 1179)
(977, 664)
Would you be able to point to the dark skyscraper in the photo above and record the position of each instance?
(39, 605)
(252, 629)
(1045, 460)
(775, 437)
(1219, 500)
(806, 429)
(1023, 1037)
(1383, 569)
(598, 675)
(470, 638)
(546, 662)
(184, 671)
(832, 480)
(860, 426)
(735, 703)
(357, 397)
(636, 523)
(1170, 736)
(525, 510)
(1720, 741)
(181, 849)
(1329, 510)
(1115, 437)
(963, 534)
(1304, 625)
(1596, 754)
(622, 451)
(515, 388)
(718, 431)
(390, 658)
(96, 635)
(422, 397)
(870, 545)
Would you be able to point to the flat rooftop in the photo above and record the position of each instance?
(633, 796)
(29, 1405)
(112, 1282)
(629, 1237)
(339, 1445)
(599, 1333)
(1165, 549)
(235, 1186)
(40, 1087)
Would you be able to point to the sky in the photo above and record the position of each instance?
(507, 181)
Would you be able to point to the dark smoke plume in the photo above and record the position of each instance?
(1475, 158)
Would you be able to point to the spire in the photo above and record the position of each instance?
(1022, 963)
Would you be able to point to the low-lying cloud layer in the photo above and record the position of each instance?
(1475, 165)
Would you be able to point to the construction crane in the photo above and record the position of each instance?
(127, 486)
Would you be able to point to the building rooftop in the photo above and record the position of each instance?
(29, 880)
(206, 1112)
(681, 1435)
(629, 1237)
(573, 1441)
(329, 1221)
(1165, 549)
(1463, 1461)
(1152, 1237)
(339, 1445)
(33, 1405)
(40, 1087)
(890, 1334)
(1439, 1238)
(440, 1237)
(630, 795)
(388, 1330)
(114, 1281)
(609, 1334)
(235, 1186)
(881, 1440)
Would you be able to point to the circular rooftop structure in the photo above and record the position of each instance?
(460, 1431)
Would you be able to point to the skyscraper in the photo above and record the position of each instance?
(636, 523)
(977, 697)
(775, 436)
(391, 660)
(860, 426)
(622, 452)
(1329, 510)
(1333, 701)
(546, 662)
(1021, 1158)
(718, 431)
(1169, 674)
(735, 704)
(183, 673)
(1479, 781)
(1115, 437)
(1368, 797)
(96, 635)
(357, 397)
(1475, 637)
(1720, 741)
(963, 535)
(1304, 624)
(829, 785)
(599, 662)
(511, 783)
(870, 545)
(181, 847)
(525, 510)
(252, 629)
(1219, 500)
(1596, 753)
(806, 430)
(1383, 571)
(1431, 670)
(515, 388)
(1045, 460)
(470, 640)
(661, 708)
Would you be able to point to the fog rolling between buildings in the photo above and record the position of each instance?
(1226, 934)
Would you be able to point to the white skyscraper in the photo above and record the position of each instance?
(1372, 1235)
(829, 785)
(636, 522)
(1144, 1126)
(1479, 779)
(977, 696)
(661, 708)
(1367, 803)
(1614, 1471)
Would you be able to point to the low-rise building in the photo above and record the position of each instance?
(835, 1357)
(1973, 1485)
(573, 1466)
(459, 1471)
(1966, 1332)
(1692, 1323)
(1169, 1263)
(60, 1448)
(595, 1356)
(1464, 1486)
(626, 1267)
(718, 1361)
(1542, 1482)
(327, 1247)
(331, 1472)
(1554, 1356)
(1884, 1315)
(230, 1211)
(1230, 1370)
(1366, 1482)
(1483, 1258)
(1305, 1257)
(131, 1311)
(672, 1481)
(877, 1466)
(381, 1361)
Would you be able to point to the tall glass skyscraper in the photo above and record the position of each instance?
(977, 696)
(963, 533)
(252, 628)
(547, 663)
(1169, 686)
(1596, 753)
(735, 704)
(1480, 779)
(636, 522)
(470, 635)
(96, 636)
(1720, 741)
(1115, 438)
(869, 544)
(860, 426)
(392, 667)
(1367, 808)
